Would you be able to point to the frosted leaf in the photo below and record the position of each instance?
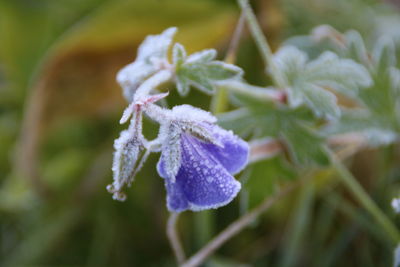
(395, 79)
(290, 61)
(306, 82)
(202, 57)
(201, 71)
(378, 137)
(343, 75)
(151, 57)
(323, 102)
(156, 45)
(178, 55)
(324, 32)
(384, 54)
(375, 130)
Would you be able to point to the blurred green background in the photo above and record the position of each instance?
(59, 113)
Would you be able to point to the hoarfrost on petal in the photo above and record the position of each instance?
(190, 113)
(193, 189)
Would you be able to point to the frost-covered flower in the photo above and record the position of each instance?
(151, 57)
(198, 160)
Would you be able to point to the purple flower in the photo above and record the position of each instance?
(198, 160)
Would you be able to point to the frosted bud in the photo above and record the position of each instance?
(127, 149)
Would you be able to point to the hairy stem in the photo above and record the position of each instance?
(236, 227)
(174, 239)
(151, 83)
(256, 92)
(219, 101)
(230, 56)
(261, 43)
(365, 200)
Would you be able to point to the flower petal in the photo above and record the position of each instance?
(201, 183)
(234, 152)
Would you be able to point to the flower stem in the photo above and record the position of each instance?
(236, 227)
(261, 43)
(219, 101)
(151, 83)
(174, 239)
(359, 193)
(260, 93)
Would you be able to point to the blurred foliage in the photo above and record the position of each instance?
(59, 112)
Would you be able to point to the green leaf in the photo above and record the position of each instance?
(307, 81)
(305, 146)
(384, 55)
(356, 48)
(203, 56)
(376, 129)
(295, 127)
(201, 71)
(321, 101)
(342, 75)
(178, 55)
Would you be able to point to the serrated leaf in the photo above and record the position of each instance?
(290, 61)
(203, 56)
(356, 48)
(195, 75)
(307, 82)
(178, 55)
(321, 101)
(151, 54)
(218, 70)
(375, 129)
(305, 146)
(201, 71)
(292, 126)
(384, 55)
(342, 75)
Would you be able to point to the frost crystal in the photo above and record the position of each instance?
(151, 57)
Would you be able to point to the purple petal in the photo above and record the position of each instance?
(234, 152)
(201, 183)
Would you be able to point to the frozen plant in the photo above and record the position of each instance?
(298, 114)
(198, 158)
